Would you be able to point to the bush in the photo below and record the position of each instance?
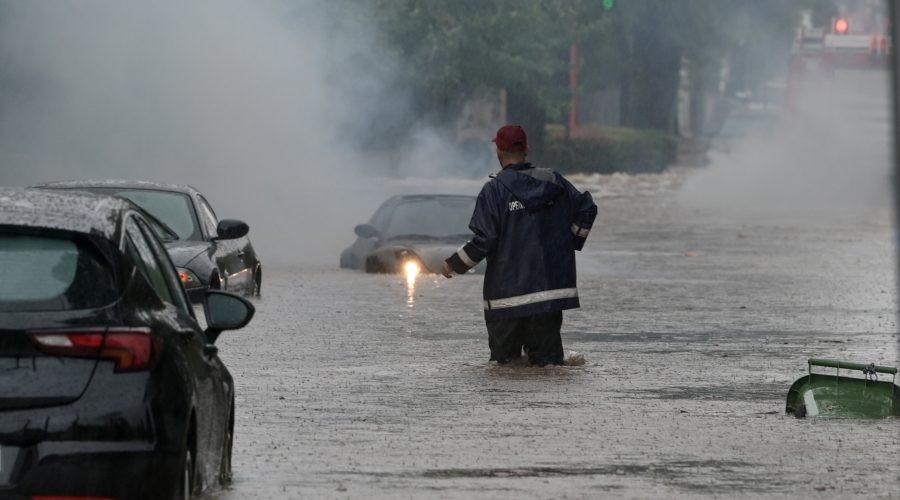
(608, 150)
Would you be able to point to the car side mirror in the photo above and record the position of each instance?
(225, 311)
(231, 229)
(367, 231)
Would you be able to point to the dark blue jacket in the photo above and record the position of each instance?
(528, 222)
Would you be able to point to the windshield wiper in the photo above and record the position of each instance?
(172, 235)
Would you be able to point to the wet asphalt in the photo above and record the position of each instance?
(693, 325)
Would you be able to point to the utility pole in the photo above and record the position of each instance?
(573, 88)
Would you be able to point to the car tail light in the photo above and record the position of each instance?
(133, 349)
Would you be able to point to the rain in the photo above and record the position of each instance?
(741, 164)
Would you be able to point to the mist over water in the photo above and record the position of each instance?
(261, 105)
(829, 152)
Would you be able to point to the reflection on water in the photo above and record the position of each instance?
(412, 270)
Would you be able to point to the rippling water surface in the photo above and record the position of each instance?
(692, 327)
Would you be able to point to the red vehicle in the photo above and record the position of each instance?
(858, 38)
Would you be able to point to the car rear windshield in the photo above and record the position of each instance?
(436, 218)
(173, 209)
(50, 273)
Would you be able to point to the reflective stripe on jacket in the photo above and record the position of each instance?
(528, 222)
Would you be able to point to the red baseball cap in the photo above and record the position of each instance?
(511, 138)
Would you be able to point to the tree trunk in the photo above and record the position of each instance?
(650, 90)
(698, 107)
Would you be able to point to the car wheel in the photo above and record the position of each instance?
(214, 282)
(186, 488)
(225, 473)
(257, 281)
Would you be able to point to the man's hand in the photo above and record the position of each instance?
(446, 271)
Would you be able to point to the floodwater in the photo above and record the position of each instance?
(695, 320)
(692, 328)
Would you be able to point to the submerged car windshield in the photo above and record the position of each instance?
(49, 273)
(172, 209)
(435, 218)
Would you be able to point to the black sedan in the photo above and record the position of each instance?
(209, 253)
(109, 387)
(412, 234)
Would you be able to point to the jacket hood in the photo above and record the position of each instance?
(533, 191)
(183, 252)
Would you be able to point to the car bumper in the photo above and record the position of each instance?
(110, 443)
(120, 470)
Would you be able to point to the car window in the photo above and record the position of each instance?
(168, 271)
(145, 260)
(52, 273)
(209, 217)
(435, 217)
(377, 219)
(172, 209)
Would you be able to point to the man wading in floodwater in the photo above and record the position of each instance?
(528, 222)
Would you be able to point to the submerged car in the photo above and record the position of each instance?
(420, 231)
(209, 253)
(109, 387)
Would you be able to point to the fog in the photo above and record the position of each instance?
(828, 152)
(261, 105)
(264, 107)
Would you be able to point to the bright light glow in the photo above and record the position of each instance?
(188, 279)
(412, 270)
(841, 26)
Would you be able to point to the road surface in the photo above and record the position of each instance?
(698, 312)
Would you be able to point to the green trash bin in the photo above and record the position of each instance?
(838, 396)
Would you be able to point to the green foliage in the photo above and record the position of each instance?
(616, 150)
(461, 48)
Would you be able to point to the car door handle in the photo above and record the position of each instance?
(210, 350)
(240, 255)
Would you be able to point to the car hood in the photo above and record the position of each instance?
(434, 253)
(183, 252)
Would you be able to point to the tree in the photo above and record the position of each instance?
(460, 48)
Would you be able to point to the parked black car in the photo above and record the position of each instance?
(109, 387)
(209, 253)
(422, 230)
